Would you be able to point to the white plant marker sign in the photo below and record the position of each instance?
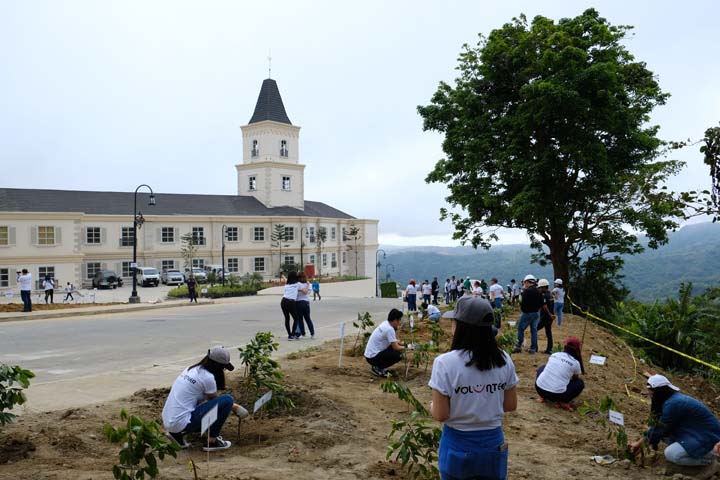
(262, 401)
(204, 291)
(412, 322)
(512, 324)
(9, 294)
(616, 417)
(207, 420)
(342, 343)
(597, 359)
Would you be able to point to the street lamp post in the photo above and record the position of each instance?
(302, 244)
(138, 220)
(387, 274)
(377, 270)
(224, 234)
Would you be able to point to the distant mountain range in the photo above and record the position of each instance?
(692, 255)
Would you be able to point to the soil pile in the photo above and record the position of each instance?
(339, 428)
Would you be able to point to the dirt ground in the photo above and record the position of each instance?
(339, 428)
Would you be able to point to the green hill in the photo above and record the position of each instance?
(692, 255)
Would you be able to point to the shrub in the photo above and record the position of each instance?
(218, 291)
(142, 441)
(363, 323)
(13, 380)
(388, 290)
(262, 372)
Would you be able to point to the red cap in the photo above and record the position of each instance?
(573, 342)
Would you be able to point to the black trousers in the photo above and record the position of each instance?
(546, 323)
(386, 358)
(49, 293)
(289, 309)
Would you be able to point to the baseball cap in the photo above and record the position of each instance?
(573, 342)
(543, 283)
(657, 381)
(558, 281)
(473, 311)
(529, 278)
(221, 355)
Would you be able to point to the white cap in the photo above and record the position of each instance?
(543, 283)
(657, 381)
(529, 278)
(558, 281)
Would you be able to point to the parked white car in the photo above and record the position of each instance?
(148, 276)
(199, 274)
(172, 277)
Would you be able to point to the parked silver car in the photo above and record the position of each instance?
(172, 277)
(199, 274)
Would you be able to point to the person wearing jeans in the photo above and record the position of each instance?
(558, 294)
(194, 393)
(531, 301)
(24, 280)
(303, 307)
(288, 305)
(689, 427)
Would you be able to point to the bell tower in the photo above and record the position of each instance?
(271, 170)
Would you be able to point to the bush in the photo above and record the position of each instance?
(218, 291)
(13, 380)
(388, 290)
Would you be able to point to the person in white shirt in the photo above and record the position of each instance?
(477, 289)
(24, 280)
(383, 349)
(473, 385)
(447, 291)
(558, 381)
(303, 307)
(497, 294)
(69, 292)
(49, 287)
(427, 292)
(433, 313)
(558, 294)
(515, 291)
(289, 307)
(411, 296)
(194, 393)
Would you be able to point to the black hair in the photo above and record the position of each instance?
(395, 314)
(292, 278)
(659, 397)
(575, 353)
(217, 370)
(480, 342)
(447, 279)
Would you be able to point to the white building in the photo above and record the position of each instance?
(72, 234)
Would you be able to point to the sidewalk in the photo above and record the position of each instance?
(353, 289)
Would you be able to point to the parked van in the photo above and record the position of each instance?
(147, 276)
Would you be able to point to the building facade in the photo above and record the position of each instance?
(70, 235)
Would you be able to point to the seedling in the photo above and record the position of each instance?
(262, 373)
(142, 441)
(437, 333)
(614, 430)
(363, 324)
(13, 380)
(507, 339)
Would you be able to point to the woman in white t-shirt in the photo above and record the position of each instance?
(303, 307)
(411, 296)
(473, 385)
(558, 294)
(558, 381)
(194, 393)
(477, 289)
(289, 307)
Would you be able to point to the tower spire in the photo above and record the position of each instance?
(269, 65)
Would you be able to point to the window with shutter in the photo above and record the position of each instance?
(58, 236)
(4, 235)
(12, 236)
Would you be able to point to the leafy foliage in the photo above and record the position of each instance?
(218, 291)
(556, 111)
(278, 239)
(363, 324)
(188, 249)
(13, 380)
(142, 442)
(600, 411)
(263, 372)
(353, 233)
(416, 447)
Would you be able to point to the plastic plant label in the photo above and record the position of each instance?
(342, 330)
(616, 417)
(262, 401)
(597, 360)
(412, 322)
(9, 294)
(512, 324)
(204, 291)
(208, 419)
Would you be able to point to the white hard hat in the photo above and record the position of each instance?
(529, 278)
(558, 281)
(543, 283)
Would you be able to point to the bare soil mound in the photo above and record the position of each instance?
(339, 428)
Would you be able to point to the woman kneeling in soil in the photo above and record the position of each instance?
(558, 381)
(473, 385)
(688, 427)
(194, 393)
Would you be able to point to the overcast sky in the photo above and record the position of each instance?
(108, 95)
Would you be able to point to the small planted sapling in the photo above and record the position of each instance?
(13, 380)
(363, 324)
(142, 442)
(601, 412)
(262, 372)
(437, 333)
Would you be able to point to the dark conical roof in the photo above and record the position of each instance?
(269, 105)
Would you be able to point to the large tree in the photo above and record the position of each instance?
(546, 129)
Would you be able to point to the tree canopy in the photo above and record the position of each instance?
(546, 129)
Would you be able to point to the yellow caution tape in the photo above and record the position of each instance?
(685, 355)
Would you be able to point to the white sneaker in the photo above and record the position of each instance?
(220, 444)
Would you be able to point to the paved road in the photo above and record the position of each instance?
(84, 360)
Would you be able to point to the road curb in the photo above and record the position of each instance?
(100, 311)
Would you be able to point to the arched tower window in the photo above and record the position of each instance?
(255, 152)
(283, 148)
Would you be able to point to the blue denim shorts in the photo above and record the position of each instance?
(474, 454)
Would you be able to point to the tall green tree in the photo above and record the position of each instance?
(320, 239)
(546, 129)
(711, 152)
(353, 233)
(188, 250)
(278, 239)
